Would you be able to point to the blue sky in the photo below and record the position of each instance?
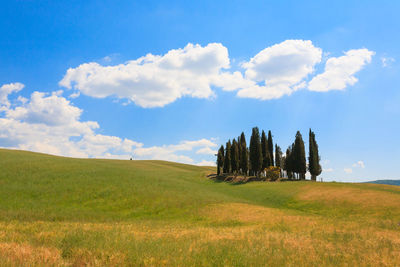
(175, 79)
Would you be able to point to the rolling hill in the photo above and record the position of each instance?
(388, 182)
(71, 212)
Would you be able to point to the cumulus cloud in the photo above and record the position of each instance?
(7, 89)
(281, 69)
(49, 123)
(153, 81)
(48, 109)
(328, 170)
(193, 71)
(339, 71)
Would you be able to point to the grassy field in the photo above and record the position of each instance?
(75, 212)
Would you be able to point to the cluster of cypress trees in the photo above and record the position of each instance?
(236, 158)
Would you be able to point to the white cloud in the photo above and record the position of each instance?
(348, 170)
(282, 69)
(22, 99)
(7, 89)
(51, 110)
(157, 80)
(49, 123)
(153, 81)
(339, 71)
(328, 170)
(206, 151)
(169, 152)
(75, 95)
(206, 163)
(360, 164)
(387, 61)
(107, 58)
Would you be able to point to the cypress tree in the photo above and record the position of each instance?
(271, 148)
(243, 140)
(220, 159)
(244, 155)
(265, 151)
(255, 151)
(299, 156)
(235, 157)
(286, 166)
(289, 161)
(227, 163)
(239, 144)
(278, 156)
(313, 159)
(244, 160)
(283, 164)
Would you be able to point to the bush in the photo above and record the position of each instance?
(272, 173)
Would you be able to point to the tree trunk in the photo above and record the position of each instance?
(313, 177)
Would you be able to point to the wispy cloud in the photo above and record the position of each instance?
(348, 170)
(358, 164)
(387, 61)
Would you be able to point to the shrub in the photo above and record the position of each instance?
(272, 173)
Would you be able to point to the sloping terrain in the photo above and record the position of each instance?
(73, 212)
(389, 182)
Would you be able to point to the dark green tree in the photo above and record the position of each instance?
(265, 151)
(220, 160)
(255, 151)
(244, 160)
(244, 155)
(235, 157)
(243, 140)
(299, 156)
(289, 162)
(313, 159)
(239, 143)
(271, 148)
(227, 159)
(283, 166)
(278, 156)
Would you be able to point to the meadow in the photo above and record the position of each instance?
(58, 211)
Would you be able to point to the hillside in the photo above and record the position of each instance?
(388, 182)
(65, 211)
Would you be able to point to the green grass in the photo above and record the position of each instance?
(72, 212)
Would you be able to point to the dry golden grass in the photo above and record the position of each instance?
(252, 229)
(351, 195)
(310, 237)
(25, 254)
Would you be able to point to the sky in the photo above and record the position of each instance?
(173, 80)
